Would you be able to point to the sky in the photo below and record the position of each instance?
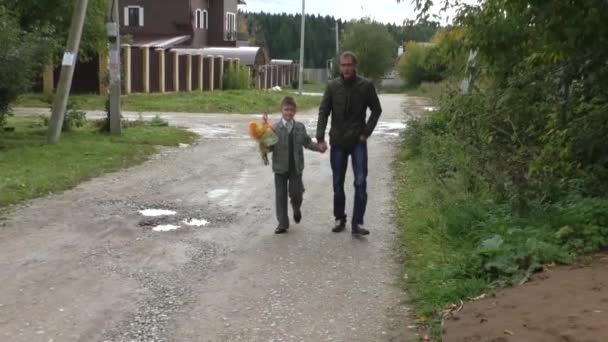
(386, 11)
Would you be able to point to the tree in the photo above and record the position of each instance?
(21, 58)
(33, 33)
(535, 126)
(373, 45)
(53, 17)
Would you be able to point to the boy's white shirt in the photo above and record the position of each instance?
(286, 124)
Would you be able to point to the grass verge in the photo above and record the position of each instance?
(431, 90)
(30, 168)
(434, 261)
(459, 239)
(229, 101)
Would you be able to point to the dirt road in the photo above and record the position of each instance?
(86, 265)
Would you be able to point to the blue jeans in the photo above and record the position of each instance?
(339, 165)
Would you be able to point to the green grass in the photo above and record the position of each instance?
(229, 101)
(314, 87)
(434, 262)
(459, 239)
(31, 169)
(434, 91)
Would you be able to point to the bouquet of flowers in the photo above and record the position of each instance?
(264, 135)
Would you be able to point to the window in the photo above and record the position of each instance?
(134, 16)
(230, 26)
(201, 19)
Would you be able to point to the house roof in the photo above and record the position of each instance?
(156, 41)
(247, 55)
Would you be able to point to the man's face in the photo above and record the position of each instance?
(288, 112)
(347, 67)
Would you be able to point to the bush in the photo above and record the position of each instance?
(21, 58)
(71, 119)
(436, 61)
(460, 237)
(237, 77)
(413, 66)
(74, 119)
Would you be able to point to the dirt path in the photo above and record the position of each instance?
(84, 265)
(562, 304)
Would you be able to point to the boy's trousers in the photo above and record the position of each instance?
(284, 184)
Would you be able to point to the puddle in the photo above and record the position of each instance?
(217, 193)
(391, 125)
(165, 228)
(156, 212)
(218, 131)
(392, 129)
(196, 223)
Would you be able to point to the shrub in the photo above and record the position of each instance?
(21, 58)
(237, 77)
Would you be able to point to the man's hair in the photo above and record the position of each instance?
(288, 101)
(351, 55)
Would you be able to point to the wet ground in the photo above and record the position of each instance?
(181, 248)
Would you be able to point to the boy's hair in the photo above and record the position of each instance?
(288, 101)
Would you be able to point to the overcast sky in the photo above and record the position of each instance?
(387, 11)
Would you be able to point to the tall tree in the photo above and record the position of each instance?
(373, 45)
(52, 18)
(280, 34)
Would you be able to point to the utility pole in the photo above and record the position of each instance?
(301, 78)
(113, 31)
(67, 71)
(337, 39)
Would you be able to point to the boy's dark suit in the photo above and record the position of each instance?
(287, 165)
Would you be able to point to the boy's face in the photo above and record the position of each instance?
(288, 111)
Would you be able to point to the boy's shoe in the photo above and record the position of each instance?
(359, 230)
(281, 230)
(297, 215)
(340, 226)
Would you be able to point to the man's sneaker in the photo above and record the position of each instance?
(297, 215)
(340, 226)
(359, 230)
(281, 230)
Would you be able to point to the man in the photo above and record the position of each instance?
(347, 99)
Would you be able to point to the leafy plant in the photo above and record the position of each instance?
(21, 59)
(237, 77)
(373, 45)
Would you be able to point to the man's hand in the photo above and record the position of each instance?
(322, 146)
(362, 138)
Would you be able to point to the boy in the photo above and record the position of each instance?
(288, 163)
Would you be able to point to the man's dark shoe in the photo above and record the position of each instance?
(297, 215)
(359, 230)
(281, 230)
(340, 226)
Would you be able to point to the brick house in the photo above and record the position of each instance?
(178, 45)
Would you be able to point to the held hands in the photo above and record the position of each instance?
(322, 147)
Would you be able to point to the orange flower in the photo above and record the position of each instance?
(255, 130)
